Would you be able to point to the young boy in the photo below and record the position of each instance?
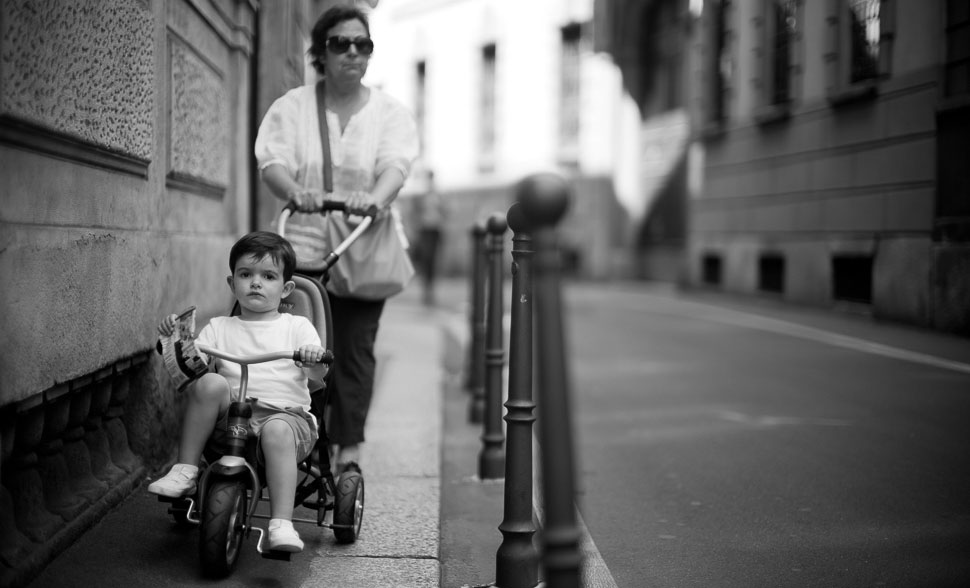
(262, 265)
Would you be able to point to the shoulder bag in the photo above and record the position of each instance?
(377, 265)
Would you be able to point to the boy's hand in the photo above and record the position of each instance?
(311, 355)
(168, 325)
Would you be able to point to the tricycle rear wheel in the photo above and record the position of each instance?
(222, 525)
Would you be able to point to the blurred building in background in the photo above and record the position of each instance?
(827, 152)
(502, 89)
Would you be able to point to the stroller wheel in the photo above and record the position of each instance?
(348, 510)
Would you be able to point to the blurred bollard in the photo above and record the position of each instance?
(476, 356)
(544, 199)
(517, 560)
(491, 460)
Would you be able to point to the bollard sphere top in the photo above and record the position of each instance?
(516, 219)
(496, 223)
(479, 228)
(544, 198)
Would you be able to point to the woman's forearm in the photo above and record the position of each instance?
(387, 186)
(278, 179)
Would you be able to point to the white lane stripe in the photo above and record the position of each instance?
(752, 321)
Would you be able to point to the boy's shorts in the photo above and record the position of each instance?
(300, 422)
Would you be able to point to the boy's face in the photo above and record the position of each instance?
(259, 286)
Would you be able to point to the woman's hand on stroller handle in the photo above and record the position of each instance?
(305, 200)
(332, 206)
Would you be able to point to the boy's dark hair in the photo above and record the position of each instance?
(330, 19)
(259, 244)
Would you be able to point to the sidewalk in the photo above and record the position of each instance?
(137, 544)
(398, 544)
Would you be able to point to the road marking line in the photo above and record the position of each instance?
(752, 321)
(844, 341)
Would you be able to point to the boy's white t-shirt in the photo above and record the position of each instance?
(278, 383)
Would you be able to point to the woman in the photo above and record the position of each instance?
(374, 142)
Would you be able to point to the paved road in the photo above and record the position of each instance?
(765, 445)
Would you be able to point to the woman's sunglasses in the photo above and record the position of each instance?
(340, 44)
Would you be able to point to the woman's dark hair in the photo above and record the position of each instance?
(328, 20)
(259, 244)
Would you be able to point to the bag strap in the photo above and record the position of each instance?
(324, 138)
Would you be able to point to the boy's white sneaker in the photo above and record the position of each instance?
(178, 482)
(283, 537)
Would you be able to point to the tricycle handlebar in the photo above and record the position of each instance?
(294, 355)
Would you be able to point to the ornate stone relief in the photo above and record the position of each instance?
(199, 119)
(81, 71)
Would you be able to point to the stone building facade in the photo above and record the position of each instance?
(826, 162)
(503, 89)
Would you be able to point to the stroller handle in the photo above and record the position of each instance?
(369, 214)
(336, 206)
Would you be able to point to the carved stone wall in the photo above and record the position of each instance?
(199, 118)
(82, 69)
(125, 177)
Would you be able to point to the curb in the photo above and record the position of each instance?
(470, 539)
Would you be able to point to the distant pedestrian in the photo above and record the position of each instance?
(430, 214)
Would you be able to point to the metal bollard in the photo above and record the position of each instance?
(544, 199)
(476, 357)
(517, 560)
(491, 460)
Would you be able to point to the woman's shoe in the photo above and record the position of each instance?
(349, 466)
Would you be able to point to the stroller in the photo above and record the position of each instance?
(232, 485)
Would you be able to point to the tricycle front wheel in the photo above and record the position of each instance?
(222, 525)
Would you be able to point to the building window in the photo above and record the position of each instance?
(420, 101)
(720, 67)
(711, 269)
(487, 107)
(771, 273)
(569, 105)
(781, 39)
(852, 278)
(957, 67)
(864, 35)
(860, 42)
(952, 222)
(779, 58)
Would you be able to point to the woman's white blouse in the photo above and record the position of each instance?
(380, 136)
